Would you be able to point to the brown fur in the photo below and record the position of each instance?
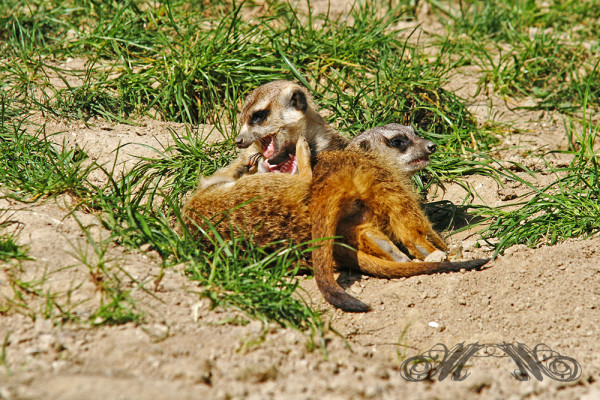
(359, 196)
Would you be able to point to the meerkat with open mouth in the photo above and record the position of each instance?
(273, 118)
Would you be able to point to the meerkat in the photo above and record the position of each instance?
(364, 197)
(273, 117)
(411, 151)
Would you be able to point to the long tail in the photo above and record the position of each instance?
(381, 268)
(326, 211)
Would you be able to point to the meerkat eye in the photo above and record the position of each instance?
(259, 117)
(399, 142)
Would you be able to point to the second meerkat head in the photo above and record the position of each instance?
(275, 115)
(397, 143)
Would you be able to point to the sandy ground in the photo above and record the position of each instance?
(546, 296)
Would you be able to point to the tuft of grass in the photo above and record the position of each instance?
(502, 20)
(556, 74)
(179, 166)
(31, 298)
(236, 273)
(9, 247)
(117, 306)
(569, 207)
(547, 52)
(31, 166)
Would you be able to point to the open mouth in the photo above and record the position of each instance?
(420, 163)
(289, 166)
(282, 162)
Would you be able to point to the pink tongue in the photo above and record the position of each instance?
(270, 150)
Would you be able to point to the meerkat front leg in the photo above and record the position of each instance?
(246, 163)
(303, 158)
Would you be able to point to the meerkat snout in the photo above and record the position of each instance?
(241, 143)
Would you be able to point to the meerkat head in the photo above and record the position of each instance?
(398, 144)
(275, 115)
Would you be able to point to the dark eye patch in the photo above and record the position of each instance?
(400, 142)
(259, 117)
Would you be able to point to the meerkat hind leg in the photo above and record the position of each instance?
(387, 247)
(377, 255)
(414, 231)
(367, 239)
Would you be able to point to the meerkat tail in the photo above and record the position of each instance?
(382, 268)
(325, 217)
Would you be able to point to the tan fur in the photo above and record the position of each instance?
(363, 197)
(290, 113)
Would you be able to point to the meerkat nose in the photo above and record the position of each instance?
(239, 142)
(431, 147)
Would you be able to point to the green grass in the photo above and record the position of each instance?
(32, 166)
(195, 62)
(569, 207)
(556, 74)
(189, 67)
(501, 20)
(546, 52)
(10, 250)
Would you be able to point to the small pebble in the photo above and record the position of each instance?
(157, 332)
(436, 256)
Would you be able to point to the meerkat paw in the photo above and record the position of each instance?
(303, 157)
(419, 247)
(251, 165)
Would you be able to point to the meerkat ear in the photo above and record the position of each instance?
(365, 145)
(298, 100)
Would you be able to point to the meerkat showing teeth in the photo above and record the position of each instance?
(361, 194)
(273, 118)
